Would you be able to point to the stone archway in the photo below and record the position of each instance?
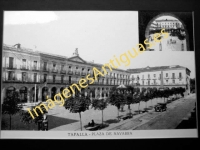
(53, 92)
(23, 94)
(33, 94)
(44, 93)
(147, 36)
(10, 90)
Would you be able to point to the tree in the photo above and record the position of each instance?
(117, 99)
(141, 97)
(129, 101)
(78, 104)
(11, 105)
(26, 118)
(100, 105)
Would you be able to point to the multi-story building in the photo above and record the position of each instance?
(163, 76)
(168, 24)
(37, 75)
(31, 72)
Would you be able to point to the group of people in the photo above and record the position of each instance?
(91, 124)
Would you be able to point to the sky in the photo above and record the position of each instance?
(98, 35)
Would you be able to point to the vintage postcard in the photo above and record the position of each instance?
(98, 75)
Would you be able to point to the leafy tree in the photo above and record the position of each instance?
(11, 105)
(141, 96)
(26, 118)
(100, 105)
(78, 104)
(129, 101)
(117, 99)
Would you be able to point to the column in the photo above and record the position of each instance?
(49, 93)
(29, 95)
(39, 94)
(2, 95)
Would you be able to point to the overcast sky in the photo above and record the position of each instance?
(98, 35)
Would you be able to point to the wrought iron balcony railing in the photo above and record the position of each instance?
(23, 67)
(63, 71)
(83, 73)
(11, 66)
(54, 70)
(77, 73)
(70, 72)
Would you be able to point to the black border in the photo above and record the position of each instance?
(110, 5)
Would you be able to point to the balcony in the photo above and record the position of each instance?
(62, 71)
(11, 66)
(173, 77)
(70, 72)
(179, 77)
(45, 70)
(83, 73)
(23, 67)
(77, 73)
(54, 70)
(34, 68)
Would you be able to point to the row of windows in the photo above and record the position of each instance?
(45, 67)
(154, 75)
(24, 75)
(173, 81)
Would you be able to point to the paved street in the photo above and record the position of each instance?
(176, 112)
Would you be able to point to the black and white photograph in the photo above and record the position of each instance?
(95, 74)
(179, 26)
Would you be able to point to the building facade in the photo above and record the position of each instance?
(163, 76)
(37, 75)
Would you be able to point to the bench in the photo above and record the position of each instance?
(160, 107)
(124, 117)
(95, 127)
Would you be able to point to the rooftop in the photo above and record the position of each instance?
(158, 68)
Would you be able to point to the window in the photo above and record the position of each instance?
(45, 77)
(54, 78)
(24, 63)
(70, 68)
(173, 75)
(180, 75)
(148, 75)
(154, 81)
(45, 65)
(54, 65)
(148, 82)
(143, 82)
(166, 74)
(24, 74)
(11, 75)
(35, 77)
(154, 75)
(62, 67)
(35, 65)
(174, 81)
(166, 81)
(11, 62)
(62, 78)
